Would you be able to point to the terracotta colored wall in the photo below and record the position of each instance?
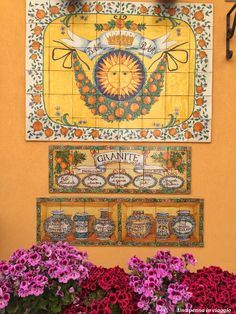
(24, 165)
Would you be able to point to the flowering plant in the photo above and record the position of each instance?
(57, 278)
(105, 291)
(157, 282)
(42, 279)
(212, 288)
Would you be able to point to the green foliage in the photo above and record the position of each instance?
(48, 302)
(78, 158)
(115, 308)
(172, 20)
(98, 27)
(128, 24)
(63, 120)
(141, 27)
(112, 24)
(68, 158)
(67, 18)
(172, 122)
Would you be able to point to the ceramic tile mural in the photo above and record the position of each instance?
(110, 221)
(118, 71)
(115, 169)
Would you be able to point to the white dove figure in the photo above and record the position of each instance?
(90, 47)
(76, 42)
(162, 44)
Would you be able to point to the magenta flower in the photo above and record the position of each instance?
(156, 281)
(212, 288)
(189, 259)
(4, 296)
(105, 290)
(161, 307)
(42, 268)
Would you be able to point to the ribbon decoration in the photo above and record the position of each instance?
(112, 40)
(89, 169)
(67, 55)
(171, 59)
(169, 55)
(138, 168)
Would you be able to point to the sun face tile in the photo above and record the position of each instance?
(121, 64)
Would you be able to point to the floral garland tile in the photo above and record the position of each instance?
(118, 71)
(115, 169)
(116, 222)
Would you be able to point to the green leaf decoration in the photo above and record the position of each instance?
(128, 24)
(58, 168)
(112, 24)
(98, 27)
(64, 119)
(79, 158)
(141, 27)
(66, 20)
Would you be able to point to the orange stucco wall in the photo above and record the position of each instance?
(24, 165)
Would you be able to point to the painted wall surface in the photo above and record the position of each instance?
(24, 165)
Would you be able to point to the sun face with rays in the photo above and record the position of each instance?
(119, 75)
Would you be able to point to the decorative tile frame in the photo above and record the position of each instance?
(121, 213)
(42, 127)
(116, 169)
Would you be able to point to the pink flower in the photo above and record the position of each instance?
(189, 259)
(34, 258)
(161, 307)
(30, 272)
(157, 281)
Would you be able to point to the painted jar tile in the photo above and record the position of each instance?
(118, 71)
(115, 169)
(127, 222)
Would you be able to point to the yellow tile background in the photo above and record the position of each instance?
(59, 83)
